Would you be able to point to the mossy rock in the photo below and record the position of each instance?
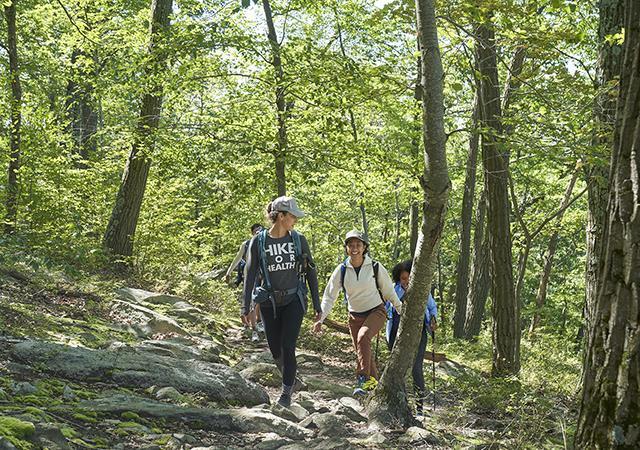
(84, 418)
(130, 415)
(68, 432)
(17, 431)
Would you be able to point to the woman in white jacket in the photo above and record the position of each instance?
(366, 287)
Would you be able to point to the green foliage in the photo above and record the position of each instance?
(537, 405)
(354, 139)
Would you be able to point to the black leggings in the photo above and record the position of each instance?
(282, 335)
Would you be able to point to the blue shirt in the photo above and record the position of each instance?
(431, 309)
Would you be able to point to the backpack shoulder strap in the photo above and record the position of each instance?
(376, 268)
(297, 245)
(262, 257)
(343, 271)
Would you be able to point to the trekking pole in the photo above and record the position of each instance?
(375, 357)
(433, 359)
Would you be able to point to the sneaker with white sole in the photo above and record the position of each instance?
(260, 327)
(359, 389)
(255, 337)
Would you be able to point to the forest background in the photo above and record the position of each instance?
(323, 105)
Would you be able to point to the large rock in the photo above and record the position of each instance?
(333, 390)
(140, 296)
(415, 435)
(145, 321)
(348, 412)
(187, 311)
(327, 424)
(49, 436)
(182, 348)
(264, 374)
(243, 420)
(253, 359)
(131, 369)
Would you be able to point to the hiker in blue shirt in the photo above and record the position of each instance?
(400, 276)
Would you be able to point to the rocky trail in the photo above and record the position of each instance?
(153, 371)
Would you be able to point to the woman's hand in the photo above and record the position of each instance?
(317, 326)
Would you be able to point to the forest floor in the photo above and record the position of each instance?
(46, 402)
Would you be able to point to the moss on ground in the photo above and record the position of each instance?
(17, 431)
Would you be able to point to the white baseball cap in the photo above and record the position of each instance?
(287, 204)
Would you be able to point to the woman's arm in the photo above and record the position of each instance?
(236, 260)
(312, 275)
(250, 273)
(331, 292)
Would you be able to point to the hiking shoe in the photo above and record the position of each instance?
(254, 336)
(260, 327)
(298, 385)
(284, 400)
(359, 390)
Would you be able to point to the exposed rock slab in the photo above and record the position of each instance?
(140, 296)
(145, 321)
(243, 420)
(131, 369)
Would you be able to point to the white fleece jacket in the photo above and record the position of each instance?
(362, 292)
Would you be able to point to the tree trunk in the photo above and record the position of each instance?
(83, 118)
(389, 405)
(506, 310)
(551, 250)
(462, 269)
(596, 171)
(348, 66)
(121, 229)
(281, 103)
(363, 213)
(11, 202)
(610, 407)
(479, 289)
(413, 225)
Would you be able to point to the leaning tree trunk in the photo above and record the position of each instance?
(610, 407)
(11, 202)
(541, 296)
(462, 268)
(596, 171)
(506, 310)
(389, 402)
(121, 229)
(414, 209)
(414, 213)
(281, 103)
(479, 289)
